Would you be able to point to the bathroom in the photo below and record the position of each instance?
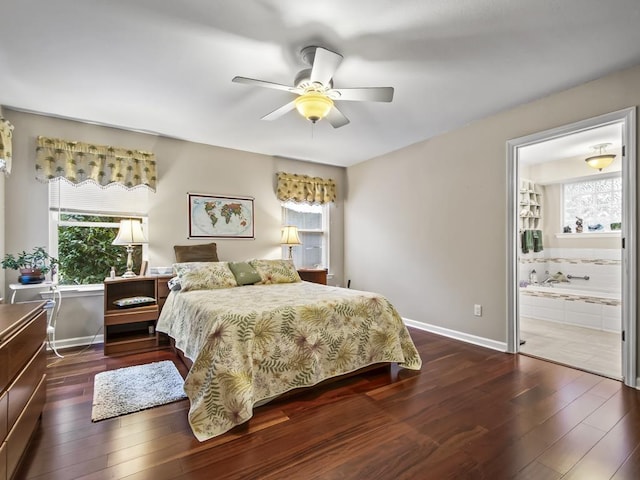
(569, 252)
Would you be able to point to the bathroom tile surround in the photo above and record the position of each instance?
(584, 307)
(602, 266)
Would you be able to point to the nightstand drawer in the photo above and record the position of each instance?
(131, 315)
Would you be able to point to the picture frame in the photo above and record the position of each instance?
(144, 267)
(220, 216)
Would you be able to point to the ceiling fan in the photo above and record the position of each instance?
(314, 87)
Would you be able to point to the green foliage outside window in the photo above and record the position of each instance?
(86, 254)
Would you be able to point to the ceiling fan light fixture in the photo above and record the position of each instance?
(602, 160)
(313, 106)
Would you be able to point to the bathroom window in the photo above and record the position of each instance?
(597, 202)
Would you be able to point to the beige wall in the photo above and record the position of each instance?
(182, 167)
(2, 226)
(433, 215)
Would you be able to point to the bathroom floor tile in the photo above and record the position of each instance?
(585, 348)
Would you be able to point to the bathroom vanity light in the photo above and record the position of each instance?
(602, 160)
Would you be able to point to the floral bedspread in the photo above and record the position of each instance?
(250, 344)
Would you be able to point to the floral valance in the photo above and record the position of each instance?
(79, 162)
(305, 189)
(6, 132)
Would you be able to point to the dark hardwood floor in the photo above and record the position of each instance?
(469, 413)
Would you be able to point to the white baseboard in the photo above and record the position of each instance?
(464, 337)
(77, 342)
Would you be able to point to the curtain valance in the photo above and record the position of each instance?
(6, 132)
(305, 189)
(79, 162)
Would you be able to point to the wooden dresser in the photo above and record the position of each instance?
(23, 361)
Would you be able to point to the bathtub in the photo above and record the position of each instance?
(572, 304)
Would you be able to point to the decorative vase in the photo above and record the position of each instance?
(30, 275)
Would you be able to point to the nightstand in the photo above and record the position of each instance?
(132, 329)
(314, 275)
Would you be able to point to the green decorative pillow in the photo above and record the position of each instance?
(204, 275)
(245, 274)
(276, 271)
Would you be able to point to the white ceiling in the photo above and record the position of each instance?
(573, 145)
(166, 66)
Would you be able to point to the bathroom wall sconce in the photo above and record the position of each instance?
(602, 160)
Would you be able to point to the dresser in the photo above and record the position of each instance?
(23, 361)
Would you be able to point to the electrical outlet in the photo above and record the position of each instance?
(477, 310)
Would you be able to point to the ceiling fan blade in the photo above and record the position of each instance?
(325, 64)
(365, 94)
(262, 83)
(336, 118)
(278, 112)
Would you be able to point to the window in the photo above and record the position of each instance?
(84, 220)
(313, 229)
(597, 202)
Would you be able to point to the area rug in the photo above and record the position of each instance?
(131, 389)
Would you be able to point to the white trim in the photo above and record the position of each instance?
(627, 117)
(77, 342)
(69, 291)
(588, 235)
(464, 337)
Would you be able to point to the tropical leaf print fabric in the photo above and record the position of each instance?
(250, 344)
(204, 275)
(275, 271)
(293, 187)
(79, 162)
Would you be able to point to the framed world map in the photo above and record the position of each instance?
(215, 216)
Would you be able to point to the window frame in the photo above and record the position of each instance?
(324, 232)
(607, 232)
(55, 212)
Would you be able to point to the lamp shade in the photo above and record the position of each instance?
(290, 235)
(600, 161)
(130, 233)
(313, 105)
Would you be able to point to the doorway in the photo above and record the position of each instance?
(555, 265)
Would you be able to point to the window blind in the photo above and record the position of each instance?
(91, 197)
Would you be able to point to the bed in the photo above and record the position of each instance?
(249, 344)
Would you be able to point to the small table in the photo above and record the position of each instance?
(52, 306)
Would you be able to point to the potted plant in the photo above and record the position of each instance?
(33, 266)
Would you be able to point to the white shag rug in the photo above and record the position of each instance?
(131, 389)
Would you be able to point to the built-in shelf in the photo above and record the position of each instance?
(530, 205)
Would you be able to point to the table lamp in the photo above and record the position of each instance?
(130, 234)
(290, 238)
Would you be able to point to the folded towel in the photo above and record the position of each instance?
(537, 241)
(527, 241)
